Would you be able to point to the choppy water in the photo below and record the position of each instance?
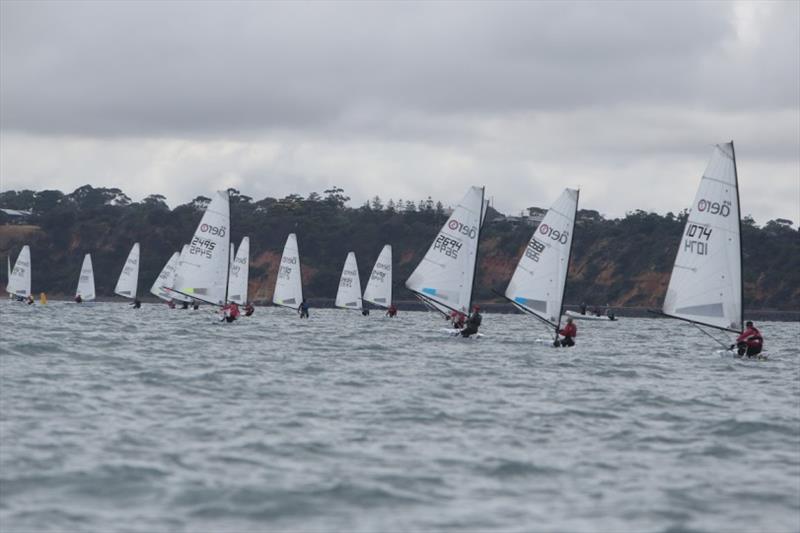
(158, 420)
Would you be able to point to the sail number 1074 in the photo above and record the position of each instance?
(697, 237)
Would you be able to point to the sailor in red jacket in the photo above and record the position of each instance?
(750, 342)
(570, 331)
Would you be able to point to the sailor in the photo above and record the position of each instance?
(196, 305)
(569, 331)
(42, 298)
(137, 304)
(473, 322)
(230, 312)
(457, 318)
(365, 311)
(78, 299)
(29, 300)
(249, 309)
(391, 311)
(171, 304)
(303, 309)
(750, 342)
(185, 305)
(583, 308)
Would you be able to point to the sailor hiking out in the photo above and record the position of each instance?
(569, 332)
(750, 342)
(473, 323)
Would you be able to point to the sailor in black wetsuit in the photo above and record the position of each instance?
(303, 309)
(473, 323)
(137, 304)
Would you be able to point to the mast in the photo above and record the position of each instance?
(569, 260)
(477, 249)
(739, 214)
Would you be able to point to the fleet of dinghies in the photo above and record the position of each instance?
(705, 287)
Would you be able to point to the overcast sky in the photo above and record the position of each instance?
(621, 99)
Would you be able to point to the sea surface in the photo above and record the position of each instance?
(114, 419)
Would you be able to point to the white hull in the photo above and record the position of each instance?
(578, 316)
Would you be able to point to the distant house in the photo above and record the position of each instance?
(16, 216)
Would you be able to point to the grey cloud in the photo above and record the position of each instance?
(139, 69)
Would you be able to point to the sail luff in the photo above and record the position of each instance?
(569, 260)
(484, 205)
(741, 260)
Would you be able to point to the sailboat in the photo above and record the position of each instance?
(289, 284)
(165, 278)
(128, 281)
(239, 274)
(705, 288)
(444, 280)
(379, 286)
(349, 294)
(85, 288)
(538, 284)
(19, 278)
(202, 272)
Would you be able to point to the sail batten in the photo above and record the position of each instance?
(705, 285)
(289, 283)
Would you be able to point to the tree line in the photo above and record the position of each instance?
(617, 261)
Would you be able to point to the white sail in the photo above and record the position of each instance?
(165, 278)
(446, 273)
(289, 284)
(128, 281)
(8, 279)
(19, 278)
(349, 294)
(203, 268)
(537, 285)
(706, 282)
(239, 274)
(86, 280)
(379, 286)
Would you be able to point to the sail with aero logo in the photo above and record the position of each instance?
(706, 282)
(165, 279)
(240, 272)
(538, 284)
(19, 278)
(349, 294)
(379, 286)
(202, 272)
(128, 281)
(288, 283)
(445, 276)
(86, 280)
